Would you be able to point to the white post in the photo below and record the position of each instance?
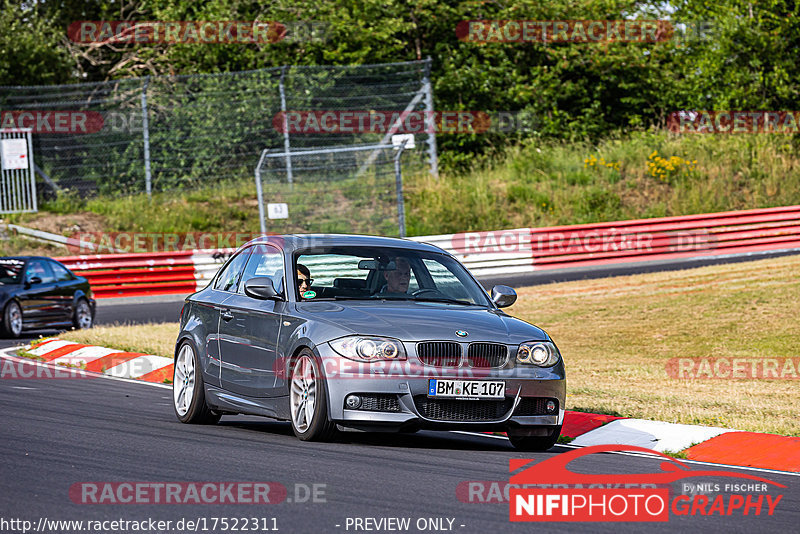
(262, 223)
(146, 137)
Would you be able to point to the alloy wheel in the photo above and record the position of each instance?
(183, 386)
(303, 393)
(14, 319)
(84, 315)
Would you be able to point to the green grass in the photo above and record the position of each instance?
(534, 184)
(541, 184)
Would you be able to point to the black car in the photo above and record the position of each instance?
(40, 292)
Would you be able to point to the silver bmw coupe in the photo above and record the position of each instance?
(336, 332)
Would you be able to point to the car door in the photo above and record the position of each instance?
(38, 299)
(64, 290)
(249, 329)
(211, 309)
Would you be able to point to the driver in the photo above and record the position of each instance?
(398, 279)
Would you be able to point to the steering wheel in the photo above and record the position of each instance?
(425, 290)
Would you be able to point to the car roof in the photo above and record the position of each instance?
(25, 258)
(290, 242)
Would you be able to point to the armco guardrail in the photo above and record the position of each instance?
(125, 275)
(520, 250)
(525, 250)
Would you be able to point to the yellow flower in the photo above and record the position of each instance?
(654, 153)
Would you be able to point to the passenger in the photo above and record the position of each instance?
(304, 279)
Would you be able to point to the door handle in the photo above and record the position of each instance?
(227, 315)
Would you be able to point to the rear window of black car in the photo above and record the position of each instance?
(10, 270)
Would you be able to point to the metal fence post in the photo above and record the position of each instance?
(398, 180)
(31, 166)
(260, 194)
(286, 146)
(433, 156)
(146, 138)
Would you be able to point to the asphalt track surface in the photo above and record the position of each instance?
(60, 432)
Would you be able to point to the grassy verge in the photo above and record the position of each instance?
(640, 175)
(151, 338)
(643, 174)
(617, 335)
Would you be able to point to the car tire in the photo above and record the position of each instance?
(308, 400)
(12, 320)
(536, 443)
(82, 317)
(188, 391)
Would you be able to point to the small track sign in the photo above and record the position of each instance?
(278, 210)
(14, 153)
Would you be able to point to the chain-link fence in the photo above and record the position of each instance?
(354, 189)
(172, 132)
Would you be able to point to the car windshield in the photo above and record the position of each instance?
(384, 273)
(10, 270)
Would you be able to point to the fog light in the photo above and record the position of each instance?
(550, 406)
(353, 402)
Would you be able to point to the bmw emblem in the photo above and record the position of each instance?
(462, 333)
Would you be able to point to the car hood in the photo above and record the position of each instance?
(417, 321)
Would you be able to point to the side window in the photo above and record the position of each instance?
(265, 260)
(228, 279)
(61, 273)
(40, 269)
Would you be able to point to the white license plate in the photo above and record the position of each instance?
(466, 389)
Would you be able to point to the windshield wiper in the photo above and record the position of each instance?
(445, 299)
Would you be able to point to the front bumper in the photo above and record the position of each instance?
(404, 387)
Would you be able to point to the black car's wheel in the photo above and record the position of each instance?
(308, 399)
(188, 393)
(12, 320)
(82, 318)
(536, 443)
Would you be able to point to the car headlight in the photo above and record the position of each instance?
(541, 353)
(369, 348)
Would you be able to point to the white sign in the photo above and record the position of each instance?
(14, 153)
(278, 211)
(397, 140)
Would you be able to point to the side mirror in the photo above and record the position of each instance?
(34, 280)
(260, 287)
(503, 296)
